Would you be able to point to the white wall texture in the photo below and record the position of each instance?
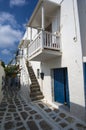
(2, 73)
(25, 52)
(71, 50)
(27, 33)
(71, 58)
(82, 15)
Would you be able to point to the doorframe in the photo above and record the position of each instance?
(52, 84)
(84, 64)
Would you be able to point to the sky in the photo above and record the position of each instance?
(14, 15)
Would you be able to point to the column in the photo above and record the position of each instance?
(43, 19)
(30, 34)
(43, 26)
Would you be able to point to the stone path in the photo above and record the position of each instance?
(61, 118)
(16, 113)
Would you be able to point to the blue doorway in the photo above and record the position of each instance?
(61, 90)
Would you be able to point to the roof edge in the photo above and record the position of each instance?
(34, 12)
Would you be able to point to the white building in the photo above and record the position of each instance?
(58, 50)
(2, 75)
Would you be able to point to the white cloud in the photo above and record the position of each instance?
(5, 52)
(9, 36)
(17, 2)
(10, 32)
(7, 18)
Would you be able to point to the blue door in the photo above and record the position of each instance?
(61, 92)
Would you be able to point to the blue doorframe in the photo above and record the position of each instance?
(84, 66)
(61, 90)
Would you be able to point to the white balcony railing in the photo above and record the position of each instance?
(44, 40)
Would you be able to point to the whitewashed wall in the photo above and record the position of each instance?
(82, 21)
(71, 58)
(72, 52)
(25, 52)
(2, 73)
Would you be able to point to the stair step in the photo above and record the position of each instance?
(36, 93)
(34, 89)
(30, 70)
(31, 74)
(34, 80)
(30, 67)
(34, 86)
(37, 98)
(33, 77)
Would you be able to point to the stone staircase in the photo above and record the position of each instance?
(35, 92)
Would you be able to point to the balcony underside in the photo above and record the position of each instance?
(45, 54)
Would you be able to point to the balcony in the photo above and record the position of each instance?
(44, 47)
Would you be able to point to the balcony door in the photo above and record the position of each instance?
(48, 37)
(49, 28)
(61, 91)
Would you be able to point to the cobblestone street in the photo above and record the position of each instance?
(16, 113)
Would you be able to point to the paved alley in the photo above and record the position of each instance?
(16, 113)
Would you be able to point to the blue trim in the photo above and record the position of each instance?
(84, 68)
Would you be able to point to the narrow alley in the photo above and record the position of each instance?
(18, 113)
(43, 65)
